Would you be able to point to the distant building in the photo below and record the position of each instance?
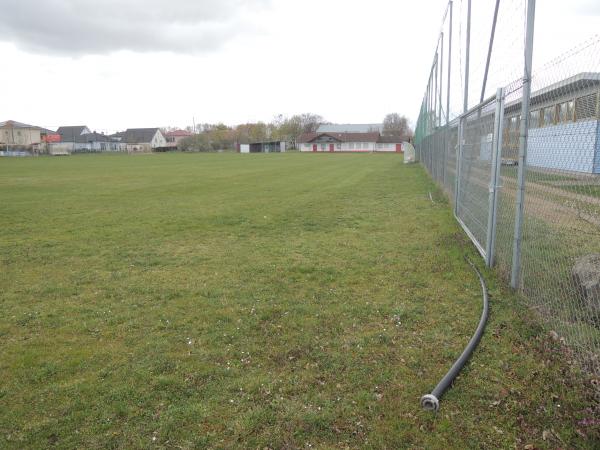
(143, 139)
(564, 126)
(19, 136)
(49, 136)
(72, 136)
(350, 128)
(349, 142)
(79, 139)
(264, 147)
(391, 144)
(173, 138)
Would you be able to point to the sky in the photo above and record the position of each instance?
(115, 64)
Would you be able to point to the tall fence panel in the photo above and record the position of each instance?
(474, 158)
(560, 261)
(473, 201)
(450, 158)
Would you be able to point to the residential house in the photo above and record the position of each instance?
(79, 139)
(71, 139)
(143, 140)
(173, 138)
(19, 136)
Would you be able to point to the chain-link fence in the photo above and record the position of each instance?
(523, 174)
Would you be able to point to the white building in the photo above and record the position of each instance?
(19, 136)
(143, 139)
(349, 142)
(79, 139)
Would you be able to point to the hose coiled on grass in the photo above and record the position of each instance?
(431, 402)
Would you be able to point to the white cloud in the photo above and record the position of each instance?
(349, 61)
(79, 27)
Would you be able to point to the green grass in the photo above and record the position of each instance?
(539, 176)
(592, 190)
(258, 301)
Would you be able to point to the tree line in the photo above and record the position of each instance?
(215, 137)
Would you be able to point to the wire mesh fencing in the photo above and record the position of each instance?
(560, 256)
(558, 270)
(475, 173)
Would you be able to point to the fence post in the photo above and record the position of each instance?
(449, 66)
(494, 178)
(515, 277)
(447, 139)
(458, 164)
(441, 76)
(465, 108)
(467, 57)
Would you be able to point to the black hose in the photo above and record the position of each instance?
(431, 402)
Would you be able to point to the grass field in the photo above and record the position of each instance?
(258, 301)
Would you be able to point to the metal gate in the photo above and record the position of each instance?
(479, 144)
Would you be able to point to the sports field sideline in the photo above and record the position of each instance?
(258, 301)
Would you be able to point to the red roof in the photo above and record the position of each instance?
(392, 139)
(342, 137)
(178, 133)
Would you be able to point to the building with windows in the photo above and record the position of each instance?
(17, 136)
(173, 138)
(143, 140)
(80, 139)
(559, 112)
(349, 142)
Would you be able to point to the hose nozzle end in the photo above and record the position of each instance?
(430, 402)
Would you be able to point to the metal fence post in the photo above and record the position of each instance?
(465, 108)
(459, 153)
(441, 76)
(515, 277)
(467, 57)
(449, 65)
(447, 139)
(495, 177)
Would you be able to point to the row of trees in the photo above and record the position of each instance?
(213, 137)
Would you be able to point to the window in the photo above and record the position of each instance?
(585, 107)
(351, 145)
(306, 145)
(534, 119)
(323, 147)
(564, 112)
(570, 110)
(548, 116)
(338, 146)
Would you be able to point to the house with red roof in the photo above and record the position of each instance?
(349, 142)
(175, 137)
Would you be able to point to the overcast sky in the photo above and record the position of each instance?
(113, 64)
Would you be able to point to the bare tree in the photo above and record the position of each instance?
(396, 125)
